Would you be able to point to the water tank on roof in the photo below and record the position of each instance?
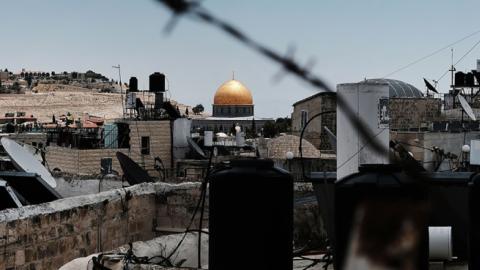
(133, 84)
(459, 79)
(250, 212)
(469, 79)
(157, 82)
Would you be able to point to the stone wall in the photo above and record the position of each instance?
(81, 161)
(48, 235)
(27, 137)
(312, 105)
(413, 113)
(87, 161)
(160, 136)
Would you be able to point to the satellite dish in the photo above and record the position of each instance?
(8, 198)
(25, 161)
(30, 188)
(134, 174)
(331, 137)
(466, 107)
(34, 151)
(456, 92)
(430, 86)
(196, 148)
(477, 76)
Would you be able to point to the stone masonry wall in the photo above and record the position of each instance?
(315, 133)
(159, 133)
(81, 161)
(48, 235)
(87, 161)
(28, 138)
(413, 113)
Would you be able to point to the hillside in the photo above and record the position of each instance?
(57, 100)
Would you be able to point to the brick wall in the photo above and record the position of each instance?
(48, 235)
(81, 161)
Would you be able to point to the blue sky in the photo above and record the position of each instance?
(350, 40)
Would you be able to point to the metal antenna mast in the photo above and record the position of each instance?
(121, 89)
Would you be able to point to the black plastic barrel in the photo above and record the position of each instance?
(469, 79)
(374, 188)
(459, 79)
(250, 216)
(157, 82)
(133, 84)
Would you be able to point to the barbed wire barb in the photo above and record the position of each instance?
(194, 10)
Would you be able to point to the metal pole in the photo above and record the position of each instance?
(121, 89)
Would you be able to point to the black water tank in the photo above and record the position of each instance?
(157, 82)
(250, 216)
(459, 79)
(469, 79)
(133, 84)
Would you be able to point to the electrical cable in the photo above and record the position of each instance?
(459, 60)
(301, 138)
(203, 189)
(361, 148)
(324, 189)
(431, 54)
(199, 250)
(440, 152)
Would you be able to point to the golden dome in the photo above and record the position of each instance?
(233, 92)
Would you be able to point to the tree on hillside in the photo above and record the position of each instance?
(29, 81)
(252, 131)
(269, 129)
(283, 124)
(15, 87)
(198, 109)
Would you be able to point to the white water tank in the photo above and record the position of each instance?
(369, 101)
(208, 138)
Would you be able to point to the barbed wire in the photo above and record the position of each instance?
(194, 10)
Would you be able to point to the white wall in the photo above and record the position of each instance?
(352, 149)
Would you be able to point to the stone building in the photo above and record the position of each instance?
(306, 108)
(232, 106)
(143, 141)
(408, 110)
(414, 113)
